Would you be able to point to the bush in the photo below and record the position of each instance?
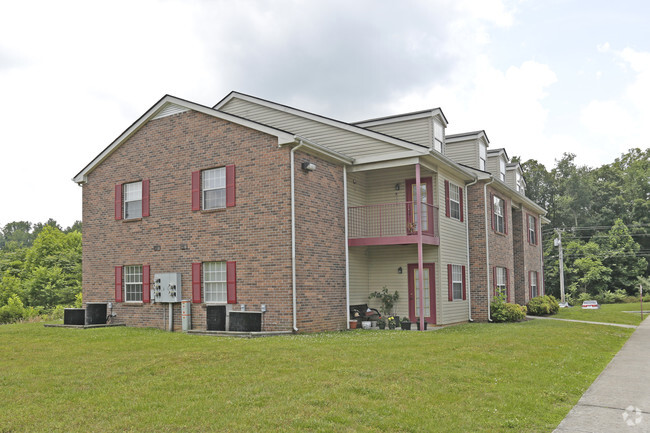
(13, 311)
(543, 305)
(503, 312)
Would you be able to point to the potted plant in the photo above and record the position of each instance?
(387, 300)
(406, 324)
(392, 322)
(381, 322)
(418, 323)
(353, 324)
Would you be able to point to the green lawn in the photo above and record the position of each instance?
(521, 377)
(609, 313)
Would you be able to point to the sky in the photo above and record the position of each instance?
(540, 77)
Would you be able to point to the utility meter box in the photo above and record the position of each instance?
(167, 288)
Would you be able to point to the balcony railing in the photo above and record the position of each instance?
(391, 220)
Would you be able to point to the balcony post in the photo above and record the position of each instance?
(418, 201)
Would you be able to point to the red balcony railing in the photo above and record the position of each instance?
(390, 220)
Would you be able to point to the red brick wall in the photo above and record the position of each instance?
(501, 252)
(256, 233)
(527, 255)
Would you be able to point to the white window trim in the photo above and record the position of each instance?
(221, 173)
(132, 271)
(126, 199)
(502, 281)
(499, 216)
(456, 201)
(457, 272)
(532, 229)
(217, 282)
(533, 283)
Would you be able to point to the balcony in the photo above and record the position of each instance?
(391, 224)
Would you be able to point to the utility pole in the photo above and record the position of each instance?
(558, 243)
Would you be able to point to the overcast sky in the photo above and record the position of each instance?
(540, 77)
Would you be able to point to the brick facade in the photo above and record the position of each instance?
(255, 233)
(527, 256)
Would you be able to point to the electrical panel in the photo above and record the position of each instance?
(166, 288)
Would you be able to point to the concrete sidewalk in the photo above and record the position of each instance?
(619, 399)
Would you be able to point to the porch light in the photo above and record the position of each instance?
(308, 166)
(399, 270)
(397, 187)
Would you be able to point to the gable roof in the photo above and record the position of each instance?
(473, 135)
(433, 112)
(169, 105)
(322, 119)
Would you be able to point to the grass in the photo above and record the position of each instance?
(521, 377)
(608, 313)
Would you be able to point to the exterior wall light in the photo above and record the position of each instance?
(399, 270)
(308, 166)
(397, 187)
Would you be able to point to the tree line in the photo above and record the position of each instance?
(40, 268)
(603, 214)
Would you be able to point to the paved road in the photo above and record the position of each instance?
(619, 399)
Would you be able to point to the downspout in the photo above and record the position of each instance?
(293, 239)
(418, 201)
(469, 272)
(487, 248)
(347, 255)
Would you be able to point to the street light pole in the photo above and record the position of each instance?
(558, 243)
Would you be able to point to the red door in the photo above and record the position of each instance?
(426, 197)
(429, 273)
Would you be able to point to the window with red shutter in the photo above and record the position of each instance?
(145, 198)
(230, 186)
(118, 201)
(196, 283)
(118, 284)
(146, 284)
(231, 276)
(450, 283)
(447, 210)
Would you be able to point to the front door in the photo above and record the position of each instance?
(429, 292)
(426, 198)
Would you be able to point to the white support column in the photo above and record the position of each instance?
(418, 201)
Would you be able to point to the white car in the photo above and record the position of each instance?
(590, 305)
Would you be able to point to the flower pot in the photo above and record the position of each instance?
(406, 326)
(353, 324)
(425, 325)
(381, 325)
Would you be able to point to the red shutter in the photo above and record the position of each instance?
(530, 285)
(196, 283)
(492, 216)
(528, 228)
(447, 212)
(146, 283)
(539, 293)
(535, 230)
(145, 198)
(494, 281)
(231, 282)
(118, 283)
(196, 190)
(507, 286)
(464, 287)
(118, 201)
(460, 195)
(450, 283)
(230, 185)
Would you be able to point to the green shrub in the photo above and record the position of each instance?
(543, 305)
(504, 312)
(13, 311)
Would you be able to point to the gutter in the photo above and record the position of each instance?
(347, 254)
(293, 238)
(469, 278)
(487, 247)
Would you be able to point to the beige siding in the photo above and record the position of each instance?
(357, 189)
(381, 184)
(337, 139)
(358, 275)
(418, 131)
(464, 152)
(453, 250)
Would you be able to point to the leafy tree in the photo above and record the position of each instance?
(18, 232)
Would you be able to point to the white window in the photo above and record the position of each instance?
(454, 201)
(482, 156)
(214, 188)
(214, 282)
(533, 284)
(133, 283)
(438, 134)
(532, 230)
(132, 200)
(502, 169)
(499, 212)
(457, 281)
(501, 282)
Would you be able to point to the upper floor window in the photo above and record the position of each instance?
(132, 200)
(438, 134)
(532, 230)
(454, 201)
(213, 188)
(520, 182)
(482, 156)
(498, 217)
(502, 169)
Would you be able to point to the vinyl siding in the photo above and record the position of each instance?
(453, 250)
(464, 152)
(418, 131)
(381, 184)
(358, 275)
(357, 189)
(348, 143)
